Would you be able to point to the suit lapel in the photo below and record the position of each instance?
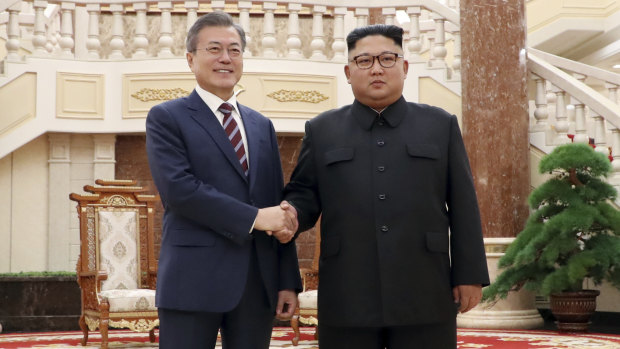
(201, 113)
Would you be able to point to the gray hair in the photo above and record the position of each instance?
(213, 19)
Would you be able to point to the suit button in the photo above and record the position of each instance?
(380, 123)
(381, 196)
(380, 143)
(381, 168)
(384, 228)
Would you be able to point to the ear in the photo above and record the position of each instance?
(190, 60)
(347, 73)
(405, 67)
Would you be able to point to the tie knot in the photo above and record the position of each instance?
(225, 108)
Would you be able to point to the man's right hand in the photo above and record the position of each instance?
(278, 219)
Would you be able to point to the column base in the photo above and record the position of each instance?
(500, 319)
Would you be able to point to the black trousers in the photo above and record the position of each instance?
(432, 336)
(248, 326)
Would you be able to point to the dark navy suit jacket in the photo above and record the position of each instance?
(210, 206)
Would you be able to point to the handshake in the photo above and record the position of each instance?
(279, 221)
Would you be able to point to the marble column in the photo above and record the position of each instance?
(103, 156)
(495, 130)
(59, 205)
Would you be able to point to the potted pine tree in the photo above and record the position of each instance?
(572, 234)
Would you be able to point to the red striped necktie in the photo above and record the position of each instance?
(234, 134)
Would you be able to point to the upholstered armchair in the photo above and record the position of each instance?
(306, 312)
(117, 269)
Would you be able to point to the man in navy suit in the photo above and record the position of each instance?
(217, 168)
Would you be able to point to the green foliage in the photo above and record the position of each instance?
(573, 232)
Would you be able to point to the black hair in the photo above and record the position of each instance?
(389, 31)
(213, 19)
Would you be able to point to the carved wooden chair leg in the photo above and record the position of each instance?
(152, 335)
(104, 322)
(295, 326)
(84, 329)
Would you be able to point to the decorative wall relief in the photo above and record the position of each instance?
(159, 94)
(311, 96)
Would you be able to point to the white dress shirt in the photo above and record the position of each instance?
(214, 102)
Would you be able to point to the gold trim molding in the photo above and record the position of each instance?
(308, 96)
(159, 94)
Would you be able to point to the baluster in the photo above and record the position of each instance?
(117, 44)
(599, 133)
(293, 43)
(415, 44)
(561, 120)
(165, 31)
(439, 47)
(93, 43)
(13, 43)
(66, 29)
(339, 46)
(192, 13)
(431, 45)
(244, 21)
(612, 90)
(269, 40)
(581, 135)
(318, 43)
(389, 13)
(456, 61)
(615, 153)
(140, 40)
(39, 40)
(362, 16)
(541, 114)
(57, 34)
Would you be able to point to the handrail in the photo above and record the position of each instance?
(579, 67)
(582, 92)
(5, 4)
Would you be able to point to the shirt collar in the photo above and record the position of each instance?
(214, 102)
(393, 113)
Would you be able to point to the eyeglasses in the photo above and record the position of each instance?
(386, 60)
(218, 51)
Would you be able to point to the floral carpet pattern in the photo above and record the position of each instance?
(281, 338)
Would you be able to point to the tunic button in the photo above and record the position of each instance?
(380, 143)
(384, 228)
(381, 168)
(381, 196)
(380, 123)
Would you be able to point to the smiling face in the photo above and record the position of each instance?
(376, 87)
(218, 72)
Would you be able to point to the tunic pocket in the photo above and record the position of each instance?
(338, 155)
(421, 150)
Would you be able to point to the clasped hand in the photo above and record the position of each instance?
(279, 221)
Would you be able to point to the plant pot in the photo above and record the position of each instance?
(573, 310)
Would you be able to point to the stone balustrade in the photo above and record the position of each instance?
(313, 30)
(574, 102)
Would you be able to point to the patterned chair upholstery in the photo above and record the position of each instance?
(116, 270)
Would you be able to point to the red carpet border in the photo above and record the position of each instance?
(467, 339)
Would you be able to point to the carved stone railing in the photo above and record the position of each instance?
(314, 30)
(574, 102)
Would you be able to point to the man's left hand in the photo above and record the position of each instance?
(287, 302)
(468, 295)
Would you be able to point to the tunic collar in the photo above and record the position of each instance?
(392, 114)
